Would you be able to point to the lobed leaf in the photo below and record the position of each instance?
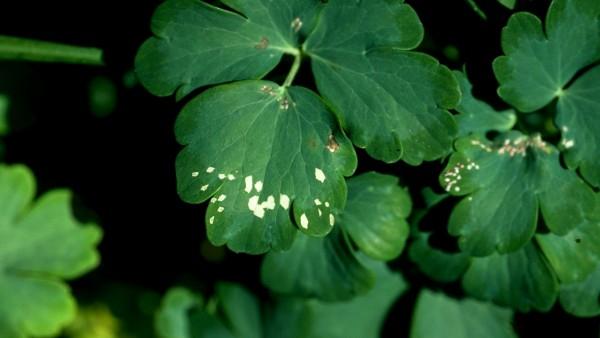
(40, 245)
(506, 184)
(392, 102)
(270, 156)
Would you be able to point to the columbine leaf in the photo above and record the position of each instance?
(506, 183)
(241, 309)
(325, 268)
(438, 316)
(182, 315)
(522, 279)
(40, 245)
(266, 153)
(541, 62)
(197, 44)
(363, 316)
(436, 264)
(392, 102)
(478, 117)
(582, 298)
(579, 119)
(577, 254)
(4, 104)
(375, 215)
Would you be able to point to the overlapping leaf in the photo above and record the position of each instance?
(542, 62)
(40, 245)
(184, 315)
(439, 316)
(391, 101)
(266, 153)
(582, 298)
(328, 268)
(506, 183)
(478, 117)
(437, 264)
(197, 44)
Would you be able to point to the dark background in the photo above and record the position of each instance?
(121, 167)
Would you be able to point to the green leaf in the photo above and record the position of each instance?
(325, 268)
(582, 298)
(541, 63)
(577, 254)
(478, 117)
(579, 119)
(506, 183)
(392, 102)
(439, 316)
(363, 316)
(510, 4)
(182, 315)
(266, 153)
(197, 44)
(241, 309)
(375, 215)
(40, 245)
(13, 48)
(522, 279)
(438, 265)
(4, 106)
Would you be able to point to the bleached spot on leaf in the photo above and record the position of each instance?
(284, 201)
(565, 129)
(327, 204)
(210, 170)
(567, 143)
(284, 103)
(332, 144)
(331, 219)
(211, 220)
(320, 212)
(204, 187)
(248, 182)
(213, 200)
(296, 25)
(453, 176)
(221, 198)
(222, 176)
(253, 202)
(263, 44)
(230, 177)
(304, 221)
(258, 186)
(220, 209)
(195, 174)
(317, 201)
(320, 175)
(269, 204)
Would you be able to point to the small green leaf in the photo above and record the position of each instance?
(439, 316)
(436, 264)
(40, 245)
(325, 268)
(577, 254)
(478, 117)
(510, 4)
(522, 279)
(579, 120)
(197, 44)
(241, 309)
(375, 215)
(506, 183)
(266, 153)
(363, 316)
(391, 101)
(13, 48)
(582, 298)
(182, 315)
(541, 63)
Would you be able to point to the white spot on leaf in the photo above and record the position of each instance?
(327, 204)
(304, 221)
(195, 174)
(221, 198)
(269, 204)
(258, 186)
(253, 203)
(248, 181)
(284, 201)
(222, 176)
(331, 219)
(220, 209)
(317, 201)
(230, 177)
(320, 175)
(204, 187)
(211, 220)
(210, 170)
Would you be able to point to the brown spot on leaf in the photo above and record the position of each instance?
(263, 44)
(332, 144)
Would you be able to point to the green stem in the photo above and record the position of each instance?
(12, 48)
(294, 70)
